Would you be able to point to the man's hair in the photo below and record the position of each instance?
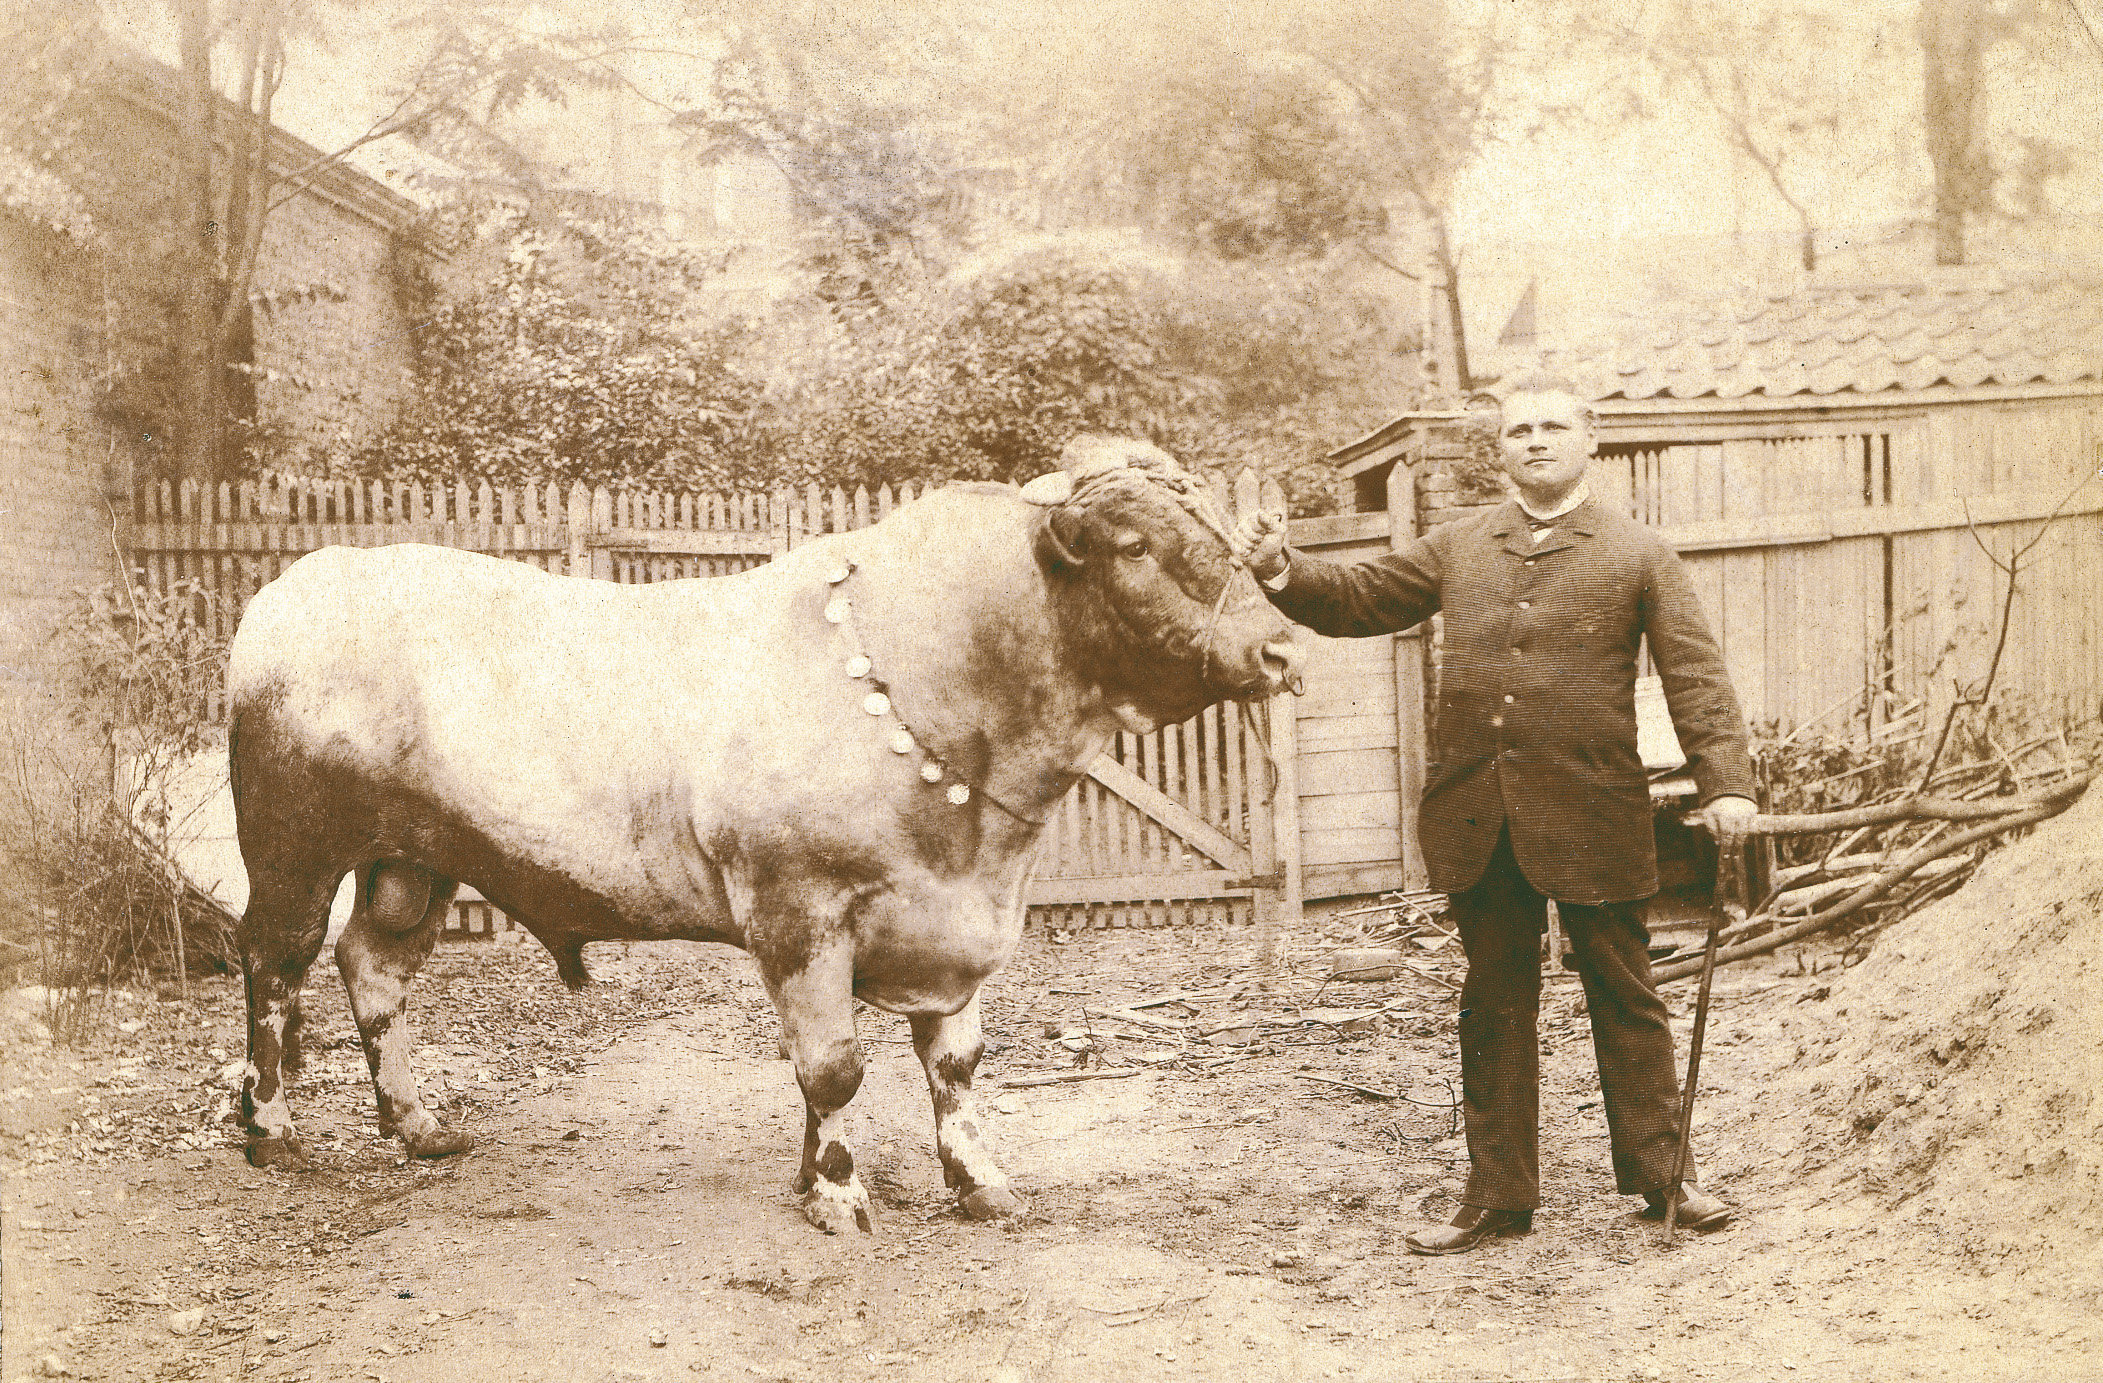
(1541, 382)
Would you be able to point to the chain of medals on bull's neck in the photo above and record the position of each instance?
(903, 740)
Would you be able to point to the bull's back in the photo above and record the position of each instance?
(532, 706)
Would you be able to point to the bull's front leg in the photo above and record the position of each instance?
(816, 1003)
(950, 1047)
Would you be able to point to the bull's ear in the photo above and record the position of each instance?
(1054, 487)
(1058, 550)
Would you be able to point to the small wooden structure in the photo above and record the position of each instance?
(1835, 467)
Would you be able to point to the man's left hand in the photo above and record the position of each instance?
(1729, 820)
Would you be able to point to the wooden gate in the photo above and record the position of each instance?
(1180, 825)
(1195, 821)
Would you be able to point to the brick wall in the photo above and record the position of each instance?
(333, 338)
(1441, 496)
(60, 469)
(84, 337)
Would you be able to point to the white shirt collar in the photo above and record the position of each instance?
(1576, 497)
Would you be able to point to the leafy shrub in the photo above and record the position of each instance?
(87, 801)
(573, 349)
(567, 349)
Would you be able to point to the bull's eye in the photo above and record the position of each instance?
(1134, 548)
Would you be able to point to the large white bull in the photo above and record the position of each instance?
(840, 762)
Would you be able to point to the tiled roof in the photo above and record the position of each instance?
(1856, 338)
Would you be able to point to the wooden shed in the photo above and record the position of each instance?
(1835, 464)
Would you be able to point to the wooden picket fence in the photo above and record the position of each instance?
(1195, 822)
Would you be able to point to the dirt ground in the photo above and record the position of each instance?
(1218, 1215)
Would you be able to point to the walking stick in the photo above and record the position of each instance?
(1730, 893)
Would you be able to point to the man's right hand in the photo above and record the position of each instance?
(1259, 541)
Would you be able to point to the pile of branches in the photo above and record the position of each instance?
(101, 900)
(1899, 850)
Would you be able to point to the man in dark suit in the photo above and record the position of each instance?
(1536, 790)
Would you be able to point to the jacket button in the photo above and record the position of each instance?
(1509, 698)
(1526, 605)
(1516, 650)
(1530, 561)
(1496, 721)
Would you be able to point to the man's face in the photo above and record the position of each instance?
(1546, 444)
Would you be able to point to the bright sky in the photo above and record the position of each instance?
(1670, 175)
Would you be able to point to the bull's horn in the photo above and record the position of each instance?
(1056, 487)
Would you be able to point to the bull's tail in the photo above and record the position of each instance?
(233, 752)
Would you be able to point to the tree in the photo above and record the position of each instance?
(232, 169)
(1804, 92)
(851, 109)
(1797, 91)
(1425, 88)
(1977, 171)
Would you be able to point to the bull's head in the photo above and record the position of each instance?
(1152, 599)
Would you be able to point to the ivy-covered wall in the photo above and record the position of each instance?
(334, 330)
(86, 309)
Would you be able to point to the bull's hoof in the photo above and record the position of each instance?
(836, 1209)
(287, 1153)
(993, 1203)
(439, 1142)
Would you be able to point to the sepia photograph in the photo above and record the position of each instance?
(965, 690)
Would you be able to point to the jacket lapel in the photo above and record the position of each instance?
(1511, 531)
(1581, 522)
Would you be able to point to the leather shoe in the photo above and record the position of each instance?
(1470, 1227)
(1697, 1208)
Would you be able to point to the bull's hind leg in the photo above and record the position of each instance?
(949, 1048)
(401, 907)
(280, 934)
(816, 1004)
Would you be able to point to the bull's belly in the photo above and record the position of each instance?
(616, 897)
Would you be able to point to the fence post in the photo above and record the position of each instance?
(601, 525)
(1285, 818)
(1410, 745)
(1285, 745)
(1273, 788)
(577, 525)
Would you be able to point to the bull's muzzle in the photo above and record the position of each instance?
(1280, 660)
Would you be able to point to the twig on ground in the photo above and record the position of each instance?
(1181, 996)
(1348, 1085)
(1415, 969)
(1068, 1077)
(1379, 1094)
(1141, 1313)
(1127, 1015)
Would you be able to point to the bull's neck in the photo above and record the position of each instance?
(965, 635)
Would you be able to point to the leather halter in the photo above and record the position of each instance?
(1194, 498)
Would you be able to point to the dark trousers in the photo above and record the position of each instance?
(1501, 920)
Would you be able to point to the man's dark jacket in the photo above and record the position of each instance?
(1536, 715)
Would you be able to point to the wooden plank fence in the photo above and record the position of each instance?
(1195, 822)
(1842, 564)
